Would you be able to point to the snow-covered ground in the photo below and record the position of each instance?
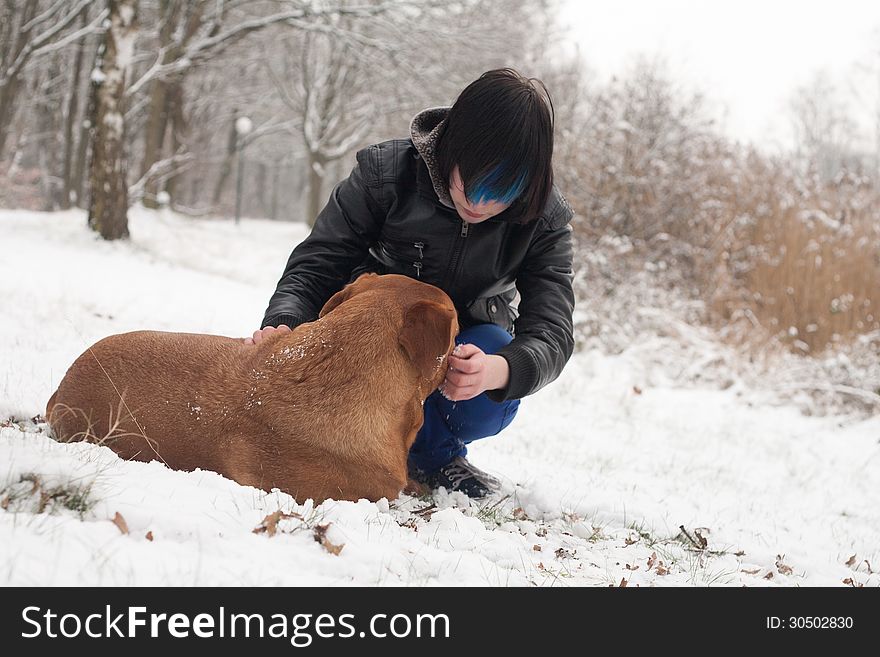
(602, 469)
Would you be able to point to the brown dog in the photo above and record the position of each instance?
(327, 410)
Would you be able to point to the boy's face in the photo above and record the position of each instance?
(469, 212)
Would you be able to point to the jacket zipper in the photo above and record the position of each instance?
(456, 254)
(418, 263)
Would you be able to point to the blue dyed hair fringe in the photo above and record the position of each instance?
(486, 188)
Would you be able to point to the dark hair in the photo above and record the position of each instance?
(499, 133)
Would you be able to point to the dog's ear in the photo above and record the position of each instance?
(426, 336)
(344, 294)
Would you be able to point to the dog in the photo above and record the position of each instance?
(328, 410)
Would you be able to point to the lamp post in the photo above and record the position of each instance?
(243, 126)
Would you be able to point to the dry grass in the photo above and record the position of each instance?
(800, 266)
(31, 494)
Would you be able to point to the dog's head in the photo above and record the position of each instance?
(425, 314)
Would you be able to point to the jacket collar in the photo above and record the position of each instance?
(425, 129)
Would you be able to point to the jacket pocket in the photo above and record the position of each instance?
(495, 310)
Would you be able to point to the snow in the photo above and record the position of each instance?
(243, 125)
(600, 470)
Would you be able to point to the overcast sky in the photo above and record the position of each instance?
(747, 56)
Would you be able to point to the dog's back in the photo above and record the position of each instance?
(135, 391)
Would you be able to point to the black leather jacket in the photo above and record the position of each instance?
(387, 218)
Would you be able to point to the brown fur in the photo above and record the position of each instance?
(327, 410)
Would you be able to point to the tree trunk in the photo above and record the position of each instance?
(262, 188)
(85, 137)
(108, 206)
(226, 168)
(157, 122)
(47, 134)
(179, 130)
(316, 180)
(153, 138)
(72, 113)
(180, 21)
(276, 177)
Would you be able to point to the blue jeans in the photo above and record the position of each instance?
(450, 426)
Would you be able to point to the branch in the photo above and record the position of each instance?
(212, 45)
(868, 397)
(36, 20)
(73, 36)
(159, 171)
(38, 42)
(269, 129)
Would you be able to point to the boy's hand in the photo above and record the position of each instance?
(472, 371)
(265, 332)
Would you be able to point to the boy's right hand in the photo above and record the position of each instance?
(265, 332)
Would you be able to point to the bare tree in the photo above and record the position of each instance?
(69, 191)
(823, 128)
(108, 205)
(179, 22)
(323, 85)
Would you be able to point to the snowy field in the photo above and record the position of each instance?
(613, 474)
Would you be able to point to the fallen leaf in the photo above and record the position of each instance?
(537, 548)
(783, 568)
(321, 537)
(637, 390)
(35, 482)
(769, 575)
(851, 561)
(739, 553)
(628, 567)
(519, 514)
(562, 553)
(270, 522)
(119, 521)
(623, 583)
(652, 560)
(661, 569)
(704, 543)
(149, 536)
(630, 541)
(45, 498)
(751, 572)
(4, 503)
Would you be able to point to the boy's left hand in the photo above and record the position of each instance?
(472, 372)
